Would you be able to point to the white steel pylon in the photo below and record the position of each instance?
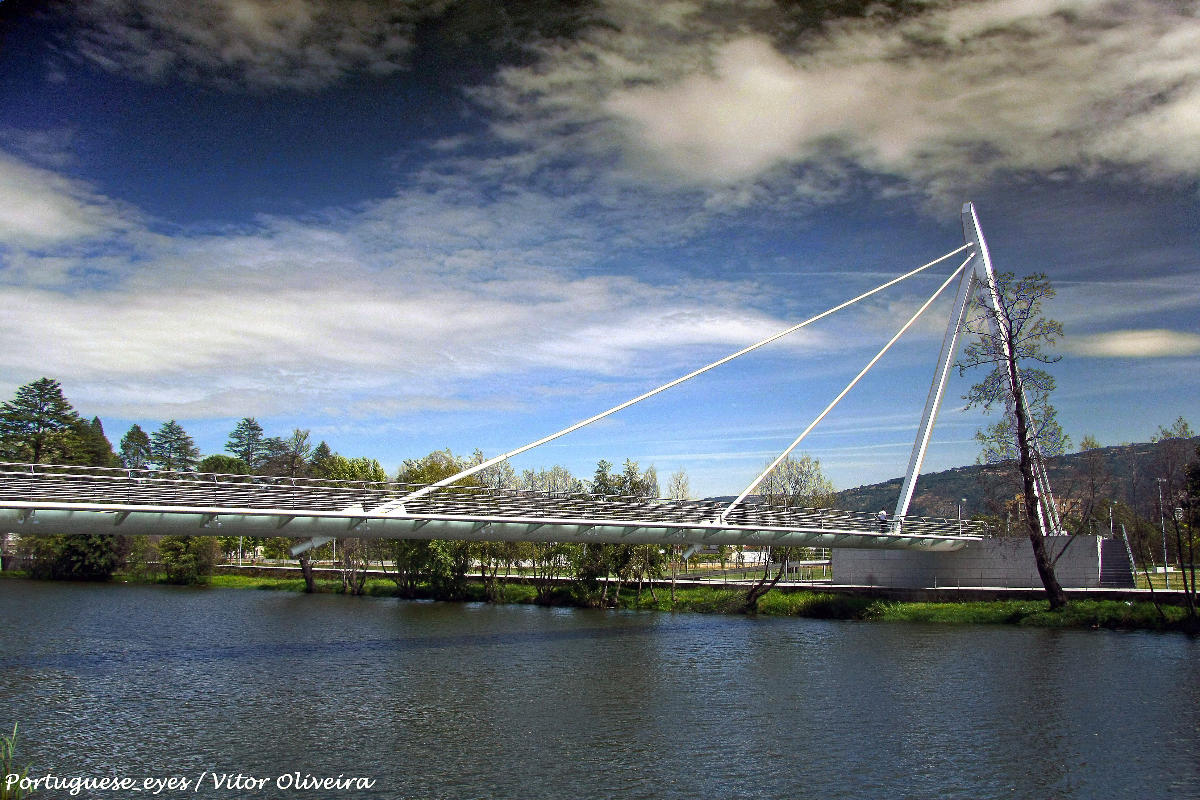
(978, 275)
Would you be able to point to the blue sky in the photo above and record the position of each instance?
(410, 226)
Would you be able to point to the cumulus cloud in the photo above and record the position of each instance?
(939, 98)
(1152, 343)
(301, 44)
(39, 207)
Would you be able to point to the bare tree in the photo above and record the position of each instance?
(1010, 331)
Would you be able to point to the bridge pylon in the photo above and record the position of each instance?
(978, 279)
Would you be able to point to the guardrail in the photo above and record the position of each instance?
(63, 484)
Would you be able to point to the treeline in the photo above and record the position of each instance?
(39, 425)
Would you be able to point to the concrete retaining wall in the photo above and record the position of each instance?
(1004, 563)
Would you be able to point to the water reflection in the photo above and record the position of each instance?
(444, 700)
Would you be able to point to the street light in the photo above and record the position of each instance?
(1162, 523)
(961, 503)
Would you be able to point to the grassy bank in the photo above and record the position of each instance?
(1087, 614)
(815, 604)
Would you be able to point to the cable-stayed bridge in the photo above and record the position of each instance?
(53, 499)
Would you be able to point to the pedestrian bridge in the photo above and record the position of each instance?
(37, 498)
(136, 501)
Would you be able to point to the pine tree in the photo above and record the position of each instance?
(135, 448)
(246, 442)
(172, 448)
(92, 447)
(38, 425)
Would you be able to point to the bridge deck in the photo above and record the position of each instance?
(92, 491)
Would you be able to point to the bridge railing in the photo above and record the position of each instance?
(146, 487)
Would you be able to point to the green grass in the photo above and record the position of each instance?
(1159, 581)
(717, 599)
(8, 766)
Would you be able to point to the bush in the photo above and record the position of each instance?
(71, 558)
(188, 559)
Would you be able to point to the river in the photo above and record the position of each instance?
(443, 700)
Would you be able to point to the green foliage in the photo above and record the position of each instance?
(434, 467)
(319, 460)
(172, 448)
(557, 479)
(335, 467)
(144, 560)
(1180, 429)
(1005, 343)
(1089, 442)
(187, 559)
(91, 447)
(997, 442)
(8, 766)
(222, 464)
(287, 456)
(797, 482)
(38, 425)
(629, 483)
(71, 558)
(246, 443)
(135, 448)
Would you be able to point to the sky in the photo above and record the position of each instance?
(467, 224)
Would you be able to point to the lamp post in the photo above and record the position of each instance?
(961, 503)
(1163, 524)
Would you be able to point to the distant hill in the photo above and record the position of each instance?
(1125, 473)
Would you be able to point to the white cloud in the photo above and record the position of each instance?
(39, 207)
(1152, 343)
(400, 307)
(942, 98)
(262, 43)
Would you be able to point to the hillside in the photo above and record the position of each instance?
(1125, 473)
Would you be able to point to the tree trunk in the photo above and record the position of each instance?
(762, 587)
(306, 569)
(1033, 517)
(1189, 587)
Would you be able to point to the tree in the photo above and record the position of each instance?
(38, 425)
(443, 563)
(497, 476)
(1089, 442)
(596, 562)
(71, 557)
(1180, 429)
(678, 485)
(223, 464)
(1186, 538)
(172, 448)
(246, 442)
(678, 488)
(797, 483)
(1169, 484)
(135, 448)
(91, 446)
(188, 559)
(1008, 337)
(794, 483)
(287, 456)
(320, 458)
(556, 480)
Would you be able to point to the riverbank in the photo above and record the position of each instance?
(814, 602)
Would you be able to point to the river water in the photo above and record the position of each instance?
(441, 700)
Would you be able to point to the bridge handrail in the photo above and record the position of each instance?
(337, 495)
